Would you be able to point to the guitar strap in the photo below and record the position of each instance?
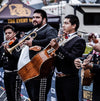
(66, 40)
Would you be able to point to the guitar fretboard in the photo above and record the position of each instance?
(42, 93)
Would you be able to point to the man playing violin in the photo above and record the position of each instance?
(9, 61)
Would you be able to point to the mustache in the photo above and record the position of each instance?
(38, 24)
(34, 22)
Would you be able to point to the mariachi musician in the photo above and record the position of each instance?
(44, 34)
(9, 61)
(67, 80)
(91, 63)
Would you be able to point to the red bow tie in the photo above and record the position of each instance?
(66, 37)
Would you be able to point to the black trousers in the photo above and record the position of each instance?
(67, 88)
(12, 84)
(96, 88)
(33, 88)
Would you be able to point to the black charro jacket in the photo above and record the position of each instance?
(66, 54)
(9, 61)
(43, 38)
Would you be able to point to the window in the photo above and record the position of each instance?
(91, 19)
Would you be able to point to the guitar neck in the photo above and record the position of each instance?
(42, 92)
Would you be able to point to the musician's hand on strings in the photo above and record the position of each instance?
(87, 64)
(77, 63)
(54, 44)
(29, 42)
(89, 57)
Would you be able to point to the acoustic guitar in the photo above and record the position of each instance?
(42, 64)
(86, 77)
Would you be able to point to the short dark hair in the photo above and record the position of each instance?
(42, 12)
(8, 27)
(73, 20)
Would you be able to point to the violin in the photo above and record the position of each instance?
(12, 41)
(8, 43)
